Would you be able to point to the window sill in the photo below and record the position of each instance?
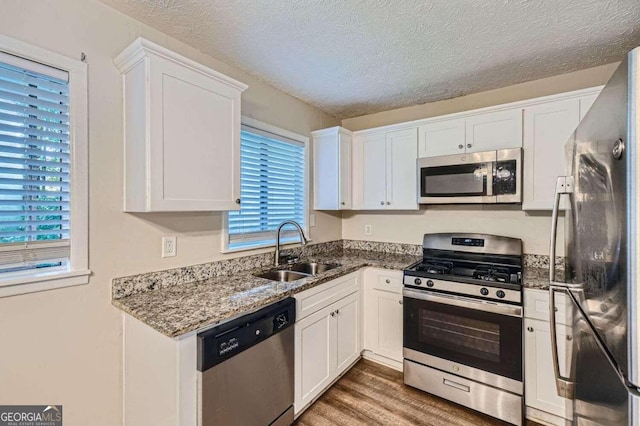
(24, 284)
(258, 246)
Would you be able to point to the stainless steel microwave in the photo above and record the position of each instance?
(481, 177)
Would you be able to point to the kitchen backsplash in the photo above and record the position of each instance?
(126, 286)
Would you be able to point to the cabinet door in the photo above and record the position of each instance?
(369, 177)
(494, 130)
(385, 321)
(441, 138)
(195, 140)
(332, 169)
(314, 362)
(540, 386)
(585, 104)
(402, 182)
(547, 127)
(346, 192)
(347, 331)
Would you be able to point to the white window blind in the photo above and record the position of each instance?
(34, 165)
(272, 187)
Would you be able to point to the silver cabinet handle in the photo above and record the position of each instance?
(388, 203)
(388, 281)
(400, 302)
(530, 329)
(237, 200)
(333, 313)
(337, 311)
(460, 146)
(469, 145)
(342, 203)
(382, 203)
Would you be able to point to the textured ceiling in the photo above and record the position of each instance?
(355, 57)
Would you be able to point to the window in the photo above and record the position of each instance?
(43, 208)
(273, 185)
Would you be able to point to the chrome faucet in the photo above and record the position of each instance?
(303, 239)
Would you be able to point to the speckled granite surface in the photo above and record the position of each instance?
(536, 278)
(178, 309)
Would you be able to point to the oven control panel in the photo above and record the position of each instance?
(482, 292)
(469, 242)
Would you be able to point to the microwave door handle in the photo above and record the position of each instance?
(489, 178)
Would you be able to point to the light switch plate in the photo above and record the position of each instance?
(367, 230)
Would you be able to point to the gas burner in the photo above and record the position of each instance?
(492, 273)
(435, 267)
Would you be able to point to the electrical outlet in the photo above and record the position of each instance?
(312, 220)
(169, 248)
(367, 230)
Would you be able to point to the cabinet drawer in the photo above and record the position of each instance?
(389, 281)
(491, 401)
(536, 306)
(314, 299)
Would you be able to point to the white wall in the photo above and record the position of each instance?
(408, 227)
(64, 346)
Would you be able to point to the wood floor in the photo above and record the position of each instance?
(371, 394)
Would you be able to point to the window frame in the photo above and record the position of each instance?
(76, 272)
(277, 131)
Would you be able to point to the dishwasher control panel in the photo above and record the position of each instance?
(226, 340)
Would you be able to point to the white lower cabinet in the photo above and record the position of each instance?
(383, 316)
(540, 388)
(328, 340)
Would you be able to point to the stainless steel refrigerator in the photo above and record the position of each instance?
(602, 219)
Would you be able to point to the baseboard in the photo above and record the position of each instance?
(382, 360)
(545, 418)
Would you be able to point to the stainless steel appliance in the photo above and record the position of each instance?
(462, 308)
(246, 369)
(482, 177)
(603, 249)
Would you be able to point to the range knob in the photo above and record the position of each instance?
(484, 291)
(429, 283)
(417, 281)
(501, 294)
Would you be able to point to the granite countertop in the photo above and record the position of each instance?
(183, 308)
(536, 278)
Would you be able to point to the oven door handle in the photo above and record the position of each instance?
(501, 309)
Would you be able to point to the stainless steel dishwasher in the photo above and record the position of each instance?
(246, 369)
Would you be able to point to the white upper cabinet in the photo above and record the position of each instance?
(384, 170)
(585, 104)
(445, 137)
(494, 130)
(547, 127)
(402, 156)
(332, 169)
(182, 132)
(476, 133)
(369, 171)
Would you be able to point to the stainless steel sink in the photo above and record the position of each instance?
(282, 275)
(313, 268)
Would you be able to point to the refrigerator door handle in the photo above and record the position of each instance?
(564, 185)
(565, 387)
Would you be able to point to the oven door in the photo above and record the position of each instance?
(466, 178)
(486, 337)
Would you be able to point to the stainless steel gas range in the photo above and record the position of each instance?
(463, 322)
